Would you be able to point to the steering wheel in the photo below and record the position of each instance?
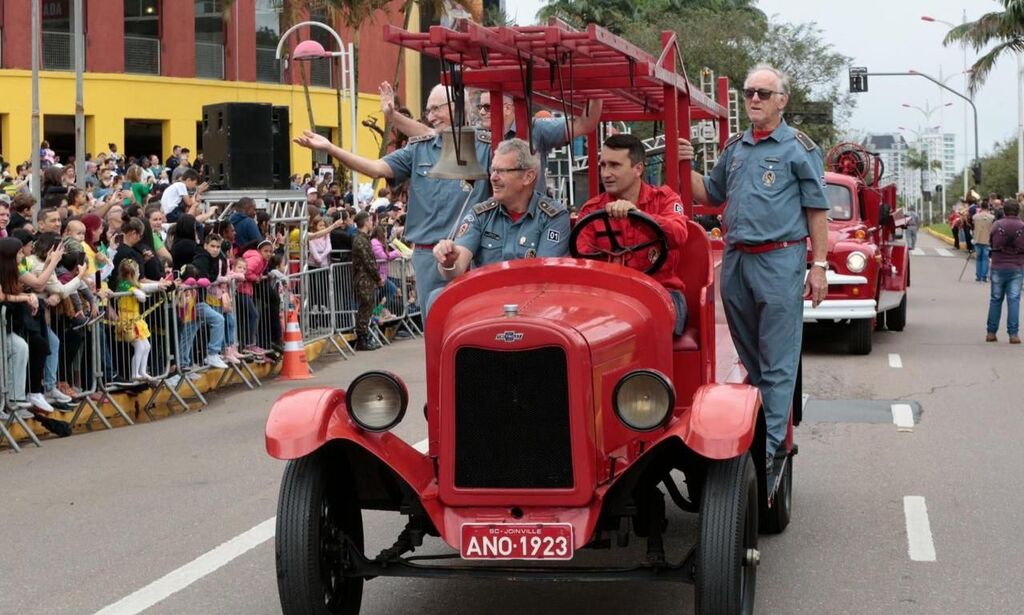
(617, 253)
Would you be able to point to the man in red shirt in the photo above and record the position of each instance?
(622, 171)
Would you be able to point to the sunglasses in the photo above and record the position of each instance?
(762, 94)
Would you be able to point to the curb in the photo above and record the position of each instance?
(941, 236)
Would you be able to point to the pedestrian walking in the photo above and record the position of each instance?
(982, 221)
(913, 223)
(1007, 242)
(773, 177)
(366, 277)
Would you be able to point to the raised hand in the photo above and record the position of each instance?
(312, 140)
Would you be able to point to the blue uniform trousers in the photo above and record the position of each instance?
(428, 279)
(763, 299)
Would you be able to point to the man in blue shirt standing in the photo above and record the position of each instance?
(773, 179)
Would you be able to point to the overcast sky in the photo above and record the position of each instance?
(889, 36)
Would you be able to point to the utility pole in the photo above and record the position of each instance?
(36, 179)
(79, 97)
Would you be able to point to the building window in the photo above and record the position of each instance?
(268, 33)
(142, 36)
(320, 72)
(58, 49)
(210, 39)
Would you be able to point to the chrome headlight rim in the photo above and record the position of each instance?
(391, 379)
(852, 260)
(662, 380)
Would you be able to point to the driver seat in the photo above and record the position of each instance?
(694, 269)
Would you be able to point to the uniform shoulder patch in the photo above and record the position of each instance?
(549, 208)
(484, 207)
(421, 138)
(483, 136)
(733, 139)
(806, 141)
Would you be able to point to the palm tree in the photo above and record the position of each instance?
(1004, 28)
(919, 160)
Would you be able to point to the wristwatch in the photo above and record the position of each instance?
(822, 264)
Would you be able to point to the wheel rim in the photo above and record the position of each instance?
(331, 560)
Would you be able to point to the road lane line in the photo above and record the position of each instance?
(919, 530)
(917, 252)
(191, 572)
(903, 417)
(895, 360)
(943, 252)
(422, 446)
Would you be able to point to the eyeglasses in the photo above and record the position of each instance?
(432, 109)
(484, 108)
(762, 94)
(500, 171)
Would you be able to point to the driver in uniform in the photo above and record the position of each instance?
(518, 222)
(622, 170)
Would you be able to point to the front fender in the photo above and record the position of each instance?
(722, 421)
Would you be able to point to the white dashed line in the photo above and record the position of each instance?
(903, 417)
(191, 572)
(919, 530)
(422, 446)
(917, 252)
(943, 252)
(895, 360)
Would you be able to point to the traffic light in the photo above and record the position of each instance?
(976, 172)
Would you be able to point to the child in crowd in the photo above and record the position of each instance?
(255, 262)
(131, 325)
(211, 265)
(319, 243)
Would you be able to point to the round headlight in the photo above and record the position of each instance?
(376, 401)
(643, 400)
(856, 261)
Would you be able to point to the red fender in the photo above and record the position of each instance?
(303, 420)
(722, 420)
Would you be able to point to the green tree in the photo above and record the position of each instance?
(1004, 29)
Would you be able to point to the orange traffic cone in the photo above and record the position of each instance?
(294, 366)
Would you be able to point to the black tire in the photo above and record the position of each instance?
(775, 518)
(896, 318)
(859, 340)
(316, 510)
(726, 577)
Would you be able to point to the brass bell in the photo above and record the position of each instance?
(450, 166)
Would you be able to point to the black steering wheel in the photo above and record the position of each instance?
(617, 253)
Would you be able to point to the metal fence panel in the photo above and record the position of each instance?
(57, 51)
(268, 67)
(209, 60)
(142, 55)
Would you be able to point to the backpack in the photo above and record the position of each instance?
(1009, 244)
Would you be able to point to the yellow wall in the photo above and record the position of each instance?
(111, 98)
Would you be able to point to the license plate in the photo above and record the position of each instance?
(526, 541)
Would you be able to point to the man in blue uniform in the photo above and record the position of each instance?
(773, 179)
(435, 205)
(518, 222)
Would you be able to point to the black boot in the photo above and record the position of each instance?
(366, 342)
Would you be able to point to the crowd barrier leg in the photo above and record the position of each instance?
(164, 325)
(6, 395)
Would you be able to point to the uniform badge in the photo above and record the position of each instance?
(768, 179)
(678, 207)
(462, 229)
(553, 235)
(652, 254)
(531, 253)
(522, 241)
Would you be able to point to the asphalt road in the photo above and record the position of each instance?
(93, 519)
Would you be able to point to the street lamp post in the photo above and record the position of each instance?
(927, 112)
(311, 50)
(966, 74)
(919, 140)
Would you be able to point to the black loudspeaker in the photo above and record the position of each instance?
(282, 146)
(238, 140)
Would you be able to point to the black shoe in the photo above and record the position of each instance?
(366, 342)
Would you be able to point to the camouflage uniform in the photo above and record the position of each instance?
(366, 277)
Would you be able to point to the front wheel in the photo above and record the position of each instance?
(727, 555)
(859, 341)
(318, 522)
(897, 316)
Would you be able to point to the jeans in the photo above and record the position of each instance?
(230, 327)
(1005, 283)
(52, 360)
(250, 319)
(911, 238)
(17, 367)
(214, 345)
(981, 252)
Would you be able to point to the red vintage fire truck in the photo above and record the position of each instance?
(561, 411)
(869, 269)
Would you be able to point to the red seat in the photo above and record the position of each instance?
(689, 340)
(695, 272)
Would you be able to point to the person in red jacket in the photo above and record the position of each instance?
(622, 170)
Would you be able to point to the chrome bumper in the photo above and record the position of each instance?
(837, 279)
(840, 309)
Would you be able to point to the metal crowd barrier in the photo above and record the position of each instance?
(9, 345)
(316, 292)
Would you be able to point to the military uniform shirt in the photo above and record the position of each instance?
(768, 184)
(435, 204)
(546, 134)
(491, 235)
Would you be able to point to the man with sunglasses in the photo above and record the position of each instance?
(435, 205)
(518, 222)
(773, 179)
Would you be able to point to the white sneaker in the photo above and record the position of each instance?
(24, 414)
(56, 395)
(193, 376)
(214, 360)
(174, 381)
(38, 401)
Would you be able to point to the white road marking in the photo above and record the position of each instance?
(903, 417)
(191, 572)
(917, 252)
(803, 403)
(895, 360)
(422, 446)
(919, 530)
(943, 252)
